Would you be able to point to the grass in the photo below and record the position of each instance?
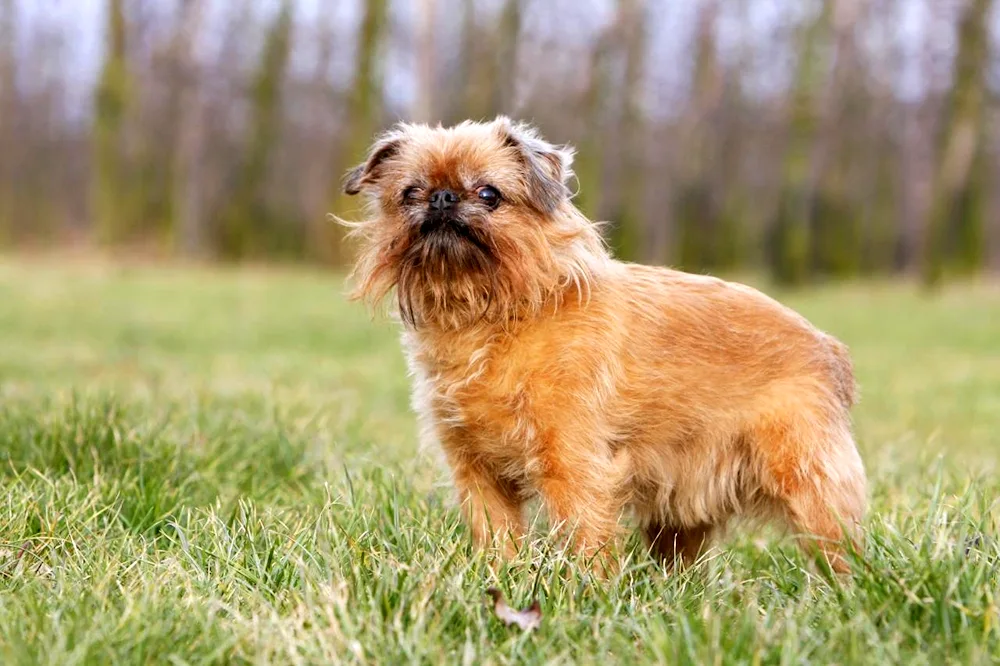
(208, 466)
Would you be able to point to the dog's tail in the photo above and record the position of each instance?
(843, 372)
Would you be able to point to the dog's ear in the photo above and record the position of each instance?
(386, 147)
(547, 167)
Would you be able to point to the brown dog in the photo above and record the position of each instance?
(542, 366)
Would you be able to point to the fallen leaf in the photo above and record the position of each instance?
(527, 619)
(22, 561)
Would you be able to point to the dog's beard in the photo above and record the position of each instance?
(461, 272)
(448, 269)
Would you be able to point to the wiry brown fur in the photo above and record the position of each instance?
(544, 367)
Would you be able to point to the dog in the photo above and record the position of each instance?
(543, 367)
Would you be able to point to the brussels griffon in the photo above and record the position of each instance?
(544, 367)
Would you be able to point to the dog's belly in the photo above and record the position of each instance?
(692, 483)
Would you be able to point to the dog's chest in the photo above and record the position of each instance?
(472, 401)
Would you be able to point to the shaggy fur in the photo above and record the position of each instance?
(543, 367)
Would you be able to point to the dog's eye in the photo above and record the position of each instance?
(411, 194)
(489, 195)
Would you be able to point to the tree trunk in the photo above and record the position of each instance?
(993, 229)
(510, 34)
(364, 118)
(424, 108)
(249, 228)
(629, 220)
(186, 191)
(697, 203)
(8, 116)
(835, 233)
(956, 220)
(590, 157)
(790, 235)
(318, 162)
(112, 194)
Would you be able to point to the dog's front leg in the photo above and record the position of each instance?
(581, 486)
(491, 507)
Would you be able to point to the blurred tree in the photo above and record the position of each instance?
(188, 225)
(507, 52)
(861, 161)
(915, 170)
(8, 114)
(835, 223)
(226, 84)
(249, 227)
(590, 156)
(698, 206)
(474, 70)
(39, 131)
(425, 108)
(992, 262)
(113, 198)
(364, 118)
(321, 105)
(880, 223)
(957, 218)
(790, 242)
(626, 230)
(489, 60)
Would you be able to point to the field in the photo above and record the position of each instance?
(220, 466)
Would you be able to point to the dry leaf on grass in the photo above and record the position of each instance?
(527, 619)
(21, 562)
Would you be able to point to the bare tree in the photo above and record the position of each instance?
(698, 205)
(316, 174)
(835, 234)
(993, 223)
(509, 34)
(8, 114)
(822, 142)
(626, 206)
(111, 203)
(959, 188)
(791, 233)
(248, 227)
(590, 146)
(364, 114)
(187, 195)
(426, 55)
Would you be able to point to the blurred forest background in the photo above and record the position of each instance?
(817, 139)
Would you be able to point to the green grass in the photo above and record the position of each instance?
(205, 466)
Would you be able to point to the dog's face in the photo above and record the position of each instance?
(469, 221)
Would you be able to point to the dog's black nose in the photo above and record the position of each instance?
(443, 199)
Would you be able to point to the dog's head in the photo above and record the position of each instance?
(470, 224)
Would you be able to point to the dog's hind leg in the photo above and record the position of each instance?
(814, 473)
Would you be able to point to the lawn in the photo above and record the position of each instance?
(220, 466)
